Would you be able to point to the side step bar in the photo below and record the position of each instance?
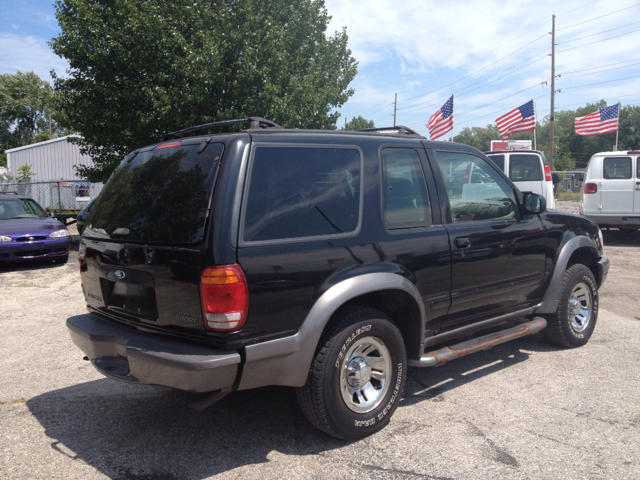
(485, 342)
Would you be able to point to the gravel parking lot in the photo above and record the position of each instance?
(521, 410)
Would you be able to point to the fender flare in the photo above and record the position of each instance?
(286, 361)
(551, 298)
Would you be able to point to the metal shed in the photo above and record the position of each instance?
(52, 160)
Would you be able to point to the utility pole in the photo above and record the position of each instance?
(395, 106)
(553, 92)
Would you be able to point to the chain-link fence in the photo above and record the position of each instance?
(66, 197)
(570, 181)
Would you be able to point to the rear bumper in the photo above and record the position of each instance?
(138, 357)
(630, 221)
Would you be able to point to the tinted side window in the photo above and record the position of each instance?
(498, 160)
(525, 168)
(617, 168)
(297, 192)
(476, 190)
(405, 197)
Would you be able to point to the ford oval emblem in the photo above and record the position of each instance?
(119, 274)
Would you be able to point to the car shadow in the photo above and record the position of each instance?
(132, 432)
(620, 238)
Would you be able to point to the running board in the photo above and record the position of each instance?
(485, 342)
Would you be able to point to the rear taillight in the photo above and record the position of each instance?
(547, 173)
(590, 188)
(225, 298)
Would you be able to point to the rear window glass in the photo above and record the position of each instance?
(159, 196)
(297, 192)
(498, 160)
(525, 168)
(617, 168)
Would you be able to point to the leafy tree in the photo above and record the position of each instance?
(140, 69)
(358, 123)
(564, 163)
(478, 137)
(26, 102)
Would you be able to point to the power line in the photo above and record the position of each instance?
(600, 83)
(601, 66)
(597, 18)
(473, 73)
(598, 41)
(578, 8)
(600, 71)
(598, 33)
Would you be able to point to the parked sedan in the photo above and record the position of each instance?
(28, 233)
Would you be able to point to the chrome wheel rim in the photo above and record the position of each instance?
(580, 307)
(364, 374)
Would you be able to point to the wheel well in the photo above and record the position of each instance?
(587, 257)
(402, 309)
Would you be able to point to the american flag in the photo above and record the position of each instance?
(596, 123)
(441, 122)
(519, 119)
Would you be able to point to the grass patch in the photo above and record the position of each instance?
(568, 196)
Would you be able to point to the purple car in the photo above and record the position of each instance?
(28, 233)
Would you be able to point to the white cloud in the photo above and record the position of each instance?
(29, 53)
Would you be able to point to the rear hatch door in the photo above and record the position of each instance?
(144, 244)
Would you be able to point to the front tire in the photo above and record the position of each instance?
(573, 323)
(357, 377)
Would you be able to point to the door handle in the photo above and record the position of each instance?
(463, 242)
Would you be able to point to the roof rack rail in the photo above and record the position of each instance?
(398, 130)
(256, 123)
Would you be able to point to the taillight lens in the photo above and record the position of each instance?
(590, 188)
(467, 174)
(225, 298)
(547, 173)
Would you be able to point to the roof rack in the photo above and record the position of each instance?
(397, 130)
(256, 123)
(8, 193)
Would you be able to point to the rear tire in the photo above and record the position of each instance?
(357, 377)
(573, 323)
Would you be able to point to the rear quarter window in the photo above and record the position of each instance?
(300, 192)
(525, 168)
(498, 160)
(616, 168)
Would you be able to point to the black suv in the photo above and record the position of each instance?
(329, 261)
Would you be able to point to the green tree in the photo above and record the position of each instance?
(26, 102)
(564, 163)
(140, 69)
(478, 137)
(358, 123)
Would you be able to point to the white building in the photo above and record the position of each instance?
(52, 160)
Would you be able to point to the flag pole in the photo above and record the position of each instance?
(618, 129)
(535, 124)
(452, 127)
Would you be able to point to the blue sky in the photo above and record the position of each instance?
(494, 55)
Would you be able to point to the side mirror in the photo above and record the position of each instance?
(534, 203)
(578, 176)
(555, 178)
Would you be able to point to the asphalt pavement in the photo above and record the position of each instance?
(522, 410)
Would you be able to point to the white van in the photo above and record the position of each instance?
(611, 191)
(528, 169)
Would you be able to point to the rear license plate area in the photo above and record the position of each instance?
(129, 291)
